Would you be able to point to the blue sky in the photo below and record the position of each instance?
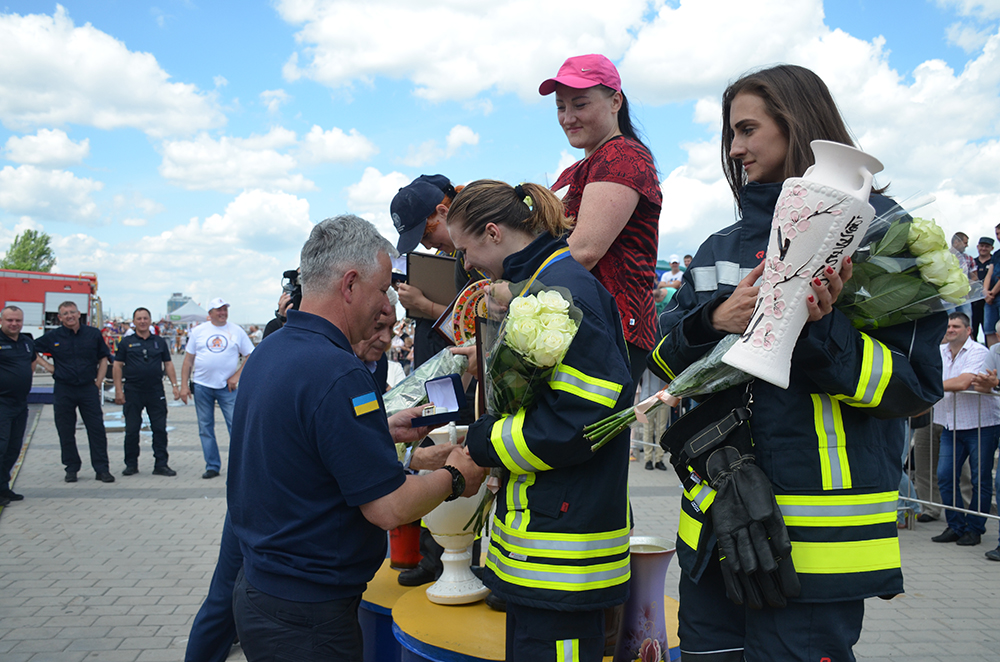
(186, 146)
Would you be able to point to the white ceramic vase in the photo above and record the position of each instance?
(456, 585)
(819, 219)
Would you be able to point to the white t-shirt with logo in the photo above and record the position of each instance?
(216, 352)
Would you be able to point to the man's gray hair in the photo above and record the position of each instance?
(337, 245)
(14, 308)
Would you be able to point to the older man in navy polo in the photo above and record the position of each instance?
(81, 360)
(17, 364)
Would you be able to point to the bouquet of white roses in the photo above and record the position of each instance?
(903, 272)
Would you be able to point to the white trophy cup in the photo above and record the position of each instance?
(457, 585)
(820, 219)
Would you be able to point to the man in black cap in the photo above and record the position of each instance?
(982, 263)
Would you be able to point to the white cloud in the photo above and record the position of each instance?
(484, 106)
(48, 194)
(985, 9)
(51, 147)
(566, 159)
(238, 254)
(370, 198)
(335, 146)
(458, 136)
(274, 99)
(230, 164)
(429, 151)
(220, 81)
(967, 37)
(54, 73)
(134, 222)
(486, 45)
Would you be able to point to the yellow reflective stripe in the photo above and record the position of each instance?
(542, 266)
(558, 577)
(689, 530)
(507, 437)
(659, 359)
(876, 371)
(518, 514)
(830, 558)
(701, 495)
(834, 466)
(571, 380)
(560, 545)
(838, 510)
(567, 650)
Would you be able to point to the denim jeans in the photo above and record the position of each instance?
(214, 627)
(204, 403)
(978, 446)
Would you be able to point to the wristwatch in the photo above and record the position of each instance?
(457, 482)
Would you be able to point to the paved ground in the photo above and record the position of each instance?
(90, 571)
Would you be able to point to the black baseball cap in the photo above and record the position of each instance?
(986, 240)
(413, 204)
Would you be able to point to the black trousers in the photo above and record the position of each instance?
(155, 404)
(543, 635)
(86, 398)
(274, 629)
(13, 420)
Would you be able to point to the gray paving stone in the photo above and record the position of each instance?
(94, 643)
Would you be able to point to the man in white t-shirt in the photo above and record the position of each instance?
(673, 278)
(213, 353)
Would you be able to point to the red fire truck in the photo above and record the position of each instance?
(39, 296)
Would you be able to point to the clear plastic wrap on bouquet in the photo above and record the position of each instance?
(411, 392)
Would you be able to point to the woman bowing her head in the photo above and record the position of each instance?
(613, 193)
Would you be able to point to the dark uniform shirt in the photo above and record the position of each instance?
(143, 360)
(16, 357)
(75, 354)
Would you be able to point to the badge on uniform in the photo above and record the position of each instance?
(365, 403)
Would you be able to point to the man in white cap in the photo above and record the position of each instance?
(213, 351)
(673, 278)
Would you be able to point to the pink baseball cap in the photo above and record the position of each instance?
(583, 71)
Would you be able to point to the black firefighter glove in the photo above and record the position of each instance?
(755, 552)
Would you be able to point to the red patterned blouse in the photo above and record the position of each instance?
(627, 269)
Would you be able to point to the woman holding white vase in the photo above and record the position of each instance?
(829, 443)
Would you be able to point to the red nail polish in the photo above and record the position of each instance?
(811, 299)
(817, 282)
(829, 271)
(847, 260)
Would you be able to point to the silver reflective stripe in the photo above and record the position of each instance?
(832, 443)
(507, 436)
(519, 506)
(599, 391)
(878, 359)
(564, 650)
(851, 510)
(609, 574)
(699, 498)
(562, 545)
(708, 279)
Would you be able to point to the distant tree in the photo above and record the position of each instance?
(30, 251)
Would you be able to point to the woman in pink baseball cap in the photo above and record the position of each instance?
(613, 192)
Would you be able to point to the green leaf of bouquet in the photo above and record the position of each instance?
(893, 292)
(888, 264)
(894, 240)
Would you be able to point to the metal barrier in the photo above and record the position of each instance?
(924, 445)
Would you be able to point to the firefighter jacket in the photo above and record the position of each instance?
(831, 442)
(560, 535)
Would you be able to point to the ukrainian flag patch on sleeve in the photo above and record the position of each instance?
(365, 403)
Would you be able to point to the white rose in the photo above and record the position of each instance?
(956, 288)
(552, 302)
(521, 334)
(550, 347)
(555, 321)
(925, 236)
(524, 307)
(936, 266)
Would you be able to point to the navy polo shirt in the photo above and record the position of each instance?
(310, 445)
(143, 359)
(75, 354)
(16, 357)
